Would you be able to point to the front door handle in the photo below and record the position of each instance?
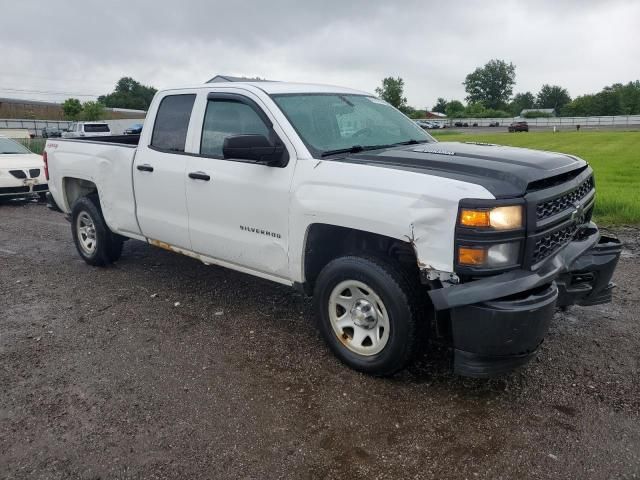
(145, 168)
(199, 176)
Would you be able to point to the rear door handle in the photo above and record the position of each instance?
(145, 168)
(199, 176)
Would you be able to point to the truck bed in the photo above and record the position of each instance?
(105, 162)
(127, 140)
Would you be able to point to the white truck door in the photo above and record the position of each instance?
(159, 174)
(238, 210)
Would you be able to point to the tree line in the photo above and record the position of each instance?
(128, 93)
(490, 95)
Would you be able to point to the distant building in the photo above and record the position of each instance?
(435, 115)
(549, 111)
(34, 109)
(229, 78)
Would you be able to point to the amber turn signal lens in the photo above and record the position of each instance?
(472, 256)
(499, 218)
(475, 218)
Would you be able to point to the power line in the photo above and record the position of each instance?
(46, 92)
(48, 78)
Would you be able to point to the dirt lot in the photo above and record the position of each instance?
(104, 375)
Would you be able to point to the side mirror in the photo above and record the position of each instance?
(257, 148)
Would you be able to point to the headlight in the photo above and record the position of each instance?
(493, 256)
(498, 218)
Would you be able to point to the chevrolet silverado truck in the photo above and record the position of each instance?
(336, 193)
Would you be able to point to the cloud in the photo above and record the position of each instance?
(581, 45)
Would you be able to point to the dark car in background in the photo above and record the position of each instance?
(134, 129)
(51, 132)
(519, 127)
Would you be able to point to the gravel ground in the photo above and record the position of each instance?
(105, 375)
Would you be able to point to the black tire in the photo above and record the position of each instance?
(399, 296)
(107, 246)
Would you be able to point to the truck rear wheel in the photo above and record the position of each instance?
(367, 313)
(95, 243)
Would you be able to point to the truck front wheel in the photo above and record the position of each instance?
(95, 243)
(367, 313)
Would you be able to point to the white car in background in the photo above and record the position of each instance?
(22, 172)
(87, 129)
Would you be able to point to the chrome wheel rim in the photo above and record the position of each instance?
(86, 233)
(359, 318)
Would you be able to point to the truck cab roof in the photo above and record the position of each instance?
(276, 87)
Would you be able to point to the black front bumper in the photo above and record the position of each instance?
(497, 323)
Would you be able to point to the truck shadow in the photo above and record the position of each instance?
(286, 314)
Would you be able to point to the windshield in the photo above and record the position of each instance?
(334, 122)
(8, 146)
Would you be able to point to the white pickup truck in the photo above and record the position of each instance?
(87, 129)
(336, 193)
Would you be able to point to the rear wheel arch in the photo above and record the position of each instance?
(75, 188)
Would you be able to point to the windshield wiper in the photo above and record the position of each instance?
(351, 149)
(360, 148)
(409, 142)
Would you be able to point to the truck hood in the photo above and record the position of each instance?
(20, 161)
(504, 171)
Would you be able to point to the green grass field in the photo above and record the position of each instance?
(614, 156)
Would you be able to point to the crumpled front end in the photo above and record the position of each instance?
(499, 317)
(498, 323)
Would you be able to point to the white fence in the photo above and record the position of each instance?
(613, 121)
(35, 126)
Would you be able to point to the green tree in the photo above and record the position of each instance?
(618, 99)
(608, 102)
(92, 111)
(537, 114)
(440, 106)
(478, 110)
(454, 109)
(552, 96)
(392, 91)
(129, 93)
(492, 84)
(475, 110)
(629, 97)
(582, 106)
(521, 101)
(71, 108)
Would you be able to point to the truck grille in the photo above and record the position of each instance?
(18, 173)
(12, 190)
(548, 244)
(560, 204)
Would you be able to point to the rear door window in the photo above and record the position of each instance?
(96, 128)
(172, 122)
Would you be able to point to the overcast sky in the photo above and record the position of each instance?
(85, 47)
